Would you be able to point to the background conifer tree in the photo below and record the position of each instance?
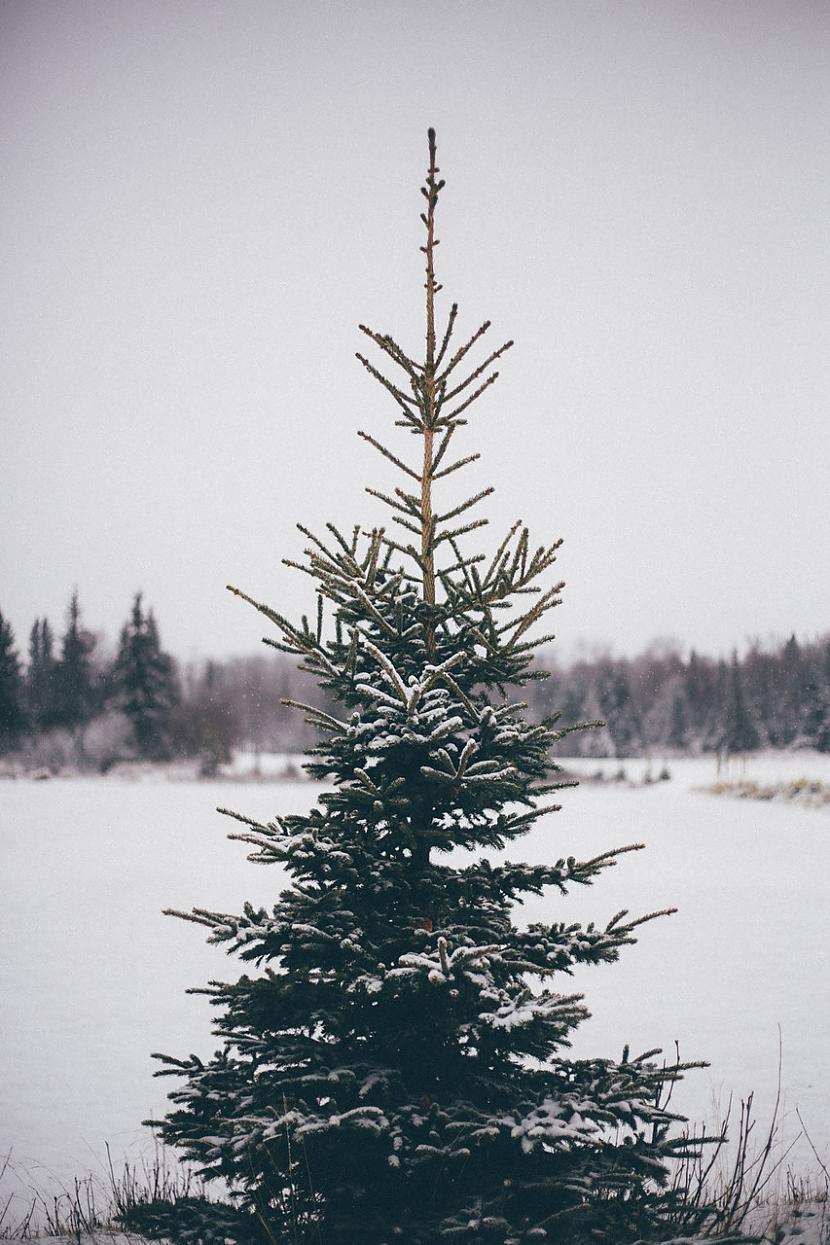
(41, 689)
(388, 1072)
(144, 680)
(12, 711)
(794, 691)
(678, 735)
(700, 687)
(816, 724)
(617, 708)
(74, 676)
(738, 730)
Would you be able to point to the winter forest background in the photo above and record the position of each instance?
(72, 704)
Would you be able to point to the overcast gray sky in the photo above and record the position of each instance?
(201, 200)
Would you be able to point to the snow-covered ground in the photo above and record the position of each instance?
(694, 772)
(265, 765)
(93, 977)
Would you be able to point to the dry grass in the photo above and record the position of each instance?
(93, 1205)
(736, 1188)
(804, 791)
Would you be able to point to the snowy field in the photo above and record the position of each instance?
(93, 977)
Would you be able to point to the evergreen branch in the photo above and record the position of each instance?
(315, 540)
(392, 349)
(442, 449)
(468, 752)
(507, 774)
(392, 584)
(447, 335)
(464, 564)
(437, 775)
(548, 601)
(462, 462)
(298, 566)
(321, 718)
(370, 562)
(519, 554)
(491, 380)
(459, 354)
(409, 550)
(393, 458)
(485, 642)
(577, 726)
(462, 695)
(461, 531)
(246, 821)
(500, 552)
(325, 567)
(372, 610)
(525, 820)
(292, 650)
(465, 505)
(640, 920)
(387, 666)
(439, 671)
(367, 781)
(347, 548)
(530, 645)
(453, 393)
(349, 663)
(378, 694)
(610, 857)
(390, 501)
(411, 421)
(400, 397)
(409, 500)
(372, 559)
(410, 527)
(264, 845)
(284, 625)
(198, 916)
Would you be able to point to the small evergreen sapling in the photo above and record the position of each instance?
(390, 1072)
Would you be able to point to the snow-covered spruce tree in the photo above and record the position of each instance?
(389, 1073)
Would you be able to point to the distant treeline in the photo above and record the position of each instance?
(73, 704)
(773, 697)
